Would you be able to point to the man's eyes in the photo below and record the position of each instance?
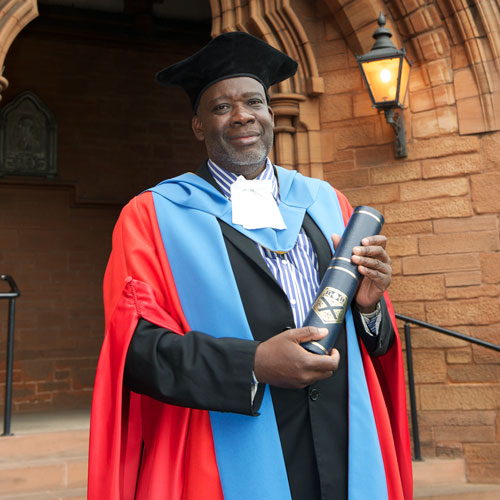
(221, 107)
(224, 106)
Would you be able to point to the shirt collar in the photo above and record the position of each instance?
(225, 178)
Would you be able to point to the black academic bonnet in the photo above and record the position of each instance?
(226, 56)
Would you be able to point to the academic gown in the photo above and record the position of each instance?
(312, 422)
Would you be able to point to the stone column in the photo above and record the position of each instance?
(286, 110)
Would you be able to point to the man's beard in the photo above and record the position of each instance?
(241, 162)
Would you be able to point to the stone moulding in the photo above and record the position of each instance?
(14, 16)
(478, 27)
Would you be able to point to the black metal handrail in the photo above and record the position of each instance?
(12, 296)
(409, 366)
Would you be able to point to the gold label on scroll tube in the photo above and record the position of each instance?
(330, 305)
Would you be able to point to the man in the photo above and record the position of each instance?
(203, 390)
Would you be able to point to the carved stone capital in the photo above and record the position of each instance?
(286, 107)
(286, 104)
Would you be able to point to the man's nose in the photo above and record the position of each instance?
(241, 115)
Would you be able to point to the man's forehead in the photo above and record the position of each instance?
(242, 86)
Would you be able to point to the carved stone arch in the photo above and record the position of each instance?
(476, 26)
(295, 102)
(357, 20)
(439, 29)
(14, 16)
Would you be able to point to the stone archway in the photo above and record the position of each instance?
(14, 16)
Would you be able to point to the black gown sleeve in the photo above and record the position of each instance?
(194, 370)
(200, 371)
(381, 343)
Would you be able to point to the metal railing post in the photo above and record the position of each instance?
(411, 385)
(409, 365)
(12, 295)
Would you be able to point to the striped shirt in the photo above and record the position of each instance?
(296, 271)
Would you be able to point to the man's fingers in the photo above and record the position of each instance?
(336, 240)
(378, 240)
(374, 265)
(335, 355)
(372, 247)
(308, 333)
(324, 366)
(334, 358)
(282, 362)
(374, 257)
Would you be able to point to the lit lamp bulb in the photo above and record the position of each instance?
(385, 75)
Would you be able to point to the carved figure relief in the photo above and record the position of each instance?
(28, 138)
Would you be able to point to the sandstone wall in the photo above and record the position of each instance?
(441, 205)
(118, 134)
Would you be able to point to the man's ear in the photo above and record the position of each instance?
(197, 126)
(271, 112)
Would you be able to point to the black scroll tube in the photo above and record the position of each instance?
(341, 280)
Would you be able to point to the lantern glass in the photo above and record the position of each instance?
(382, 79)
(405, 76)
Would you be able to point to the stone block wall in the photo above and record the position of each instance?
(118, 133)
(56, 253)
(441, 205)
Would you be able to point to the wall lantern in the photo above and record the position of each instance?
(386, 72)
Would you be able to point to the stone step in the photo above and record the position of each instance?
(70, 494)
(434, 471)
(458, 492)
(44, 474)
(31, 446)
(444, 479)
(41, 462)
(47, 460)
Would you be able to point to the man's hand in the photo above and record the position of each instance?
(375, 266)
(281, 361)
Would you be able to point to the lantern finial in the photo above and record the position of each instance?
(382, 36)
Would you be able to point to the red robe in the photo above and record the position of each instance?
(178, 441)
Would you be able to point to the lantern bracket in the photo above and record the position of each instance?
(396, 120)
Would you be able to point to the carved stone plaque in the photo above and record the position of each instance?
(28, 137)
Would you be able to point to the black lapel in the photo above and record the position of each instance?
(205, 174)
(319, 243)
(244, 244)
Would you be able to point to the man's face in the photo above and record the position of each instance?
(236, 124)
